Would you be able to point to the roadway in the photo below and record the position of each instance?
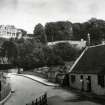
(27, 90)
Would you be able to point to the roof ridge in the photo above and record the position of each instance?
(96, 45)
(77, 60)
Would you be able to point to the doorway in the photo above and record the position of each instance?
(89, 84)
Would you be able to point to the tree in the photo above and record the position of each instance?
(77, 31)
(21, 33)
(61, 30)
(96, 30)
(65, 51)
(39, 33)
(51, 58)
(95, 27)
(9, 50)
(30, 53)
(24, 32)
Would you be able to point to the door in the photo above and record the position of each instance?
(66, 80)
(89, 84)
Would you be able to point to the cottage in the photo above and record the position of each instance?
(88, 71)
(53, 72)
(61, 79)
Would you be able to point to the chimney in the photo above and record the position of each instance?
(88, 39)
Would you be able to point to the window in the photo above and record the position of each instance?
(101, 80)
(72, 78)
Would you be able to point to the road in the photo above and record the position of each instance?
(26, 90)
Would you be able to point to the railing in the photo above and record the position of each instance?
(42, 100)
(5, 91)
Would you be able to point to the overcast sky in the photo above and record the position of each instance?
(27, 13)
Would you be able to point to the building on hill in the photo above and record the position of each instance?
(88, 71)
(9, 31)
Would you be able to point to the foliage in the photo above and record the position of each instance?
(51, 58)
(2, 40)
(30, 53)
(39, 33)
(95, 27)
(65, 30)
(61, 30)
(65, 51)
(23, 32)
(9, 50)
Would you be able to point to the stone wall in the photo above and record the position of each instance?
(5, 91)
(5, 86)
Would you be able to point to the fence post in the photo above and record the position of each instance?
(32, 102)
(36, 103)
(45, 98)
(42, 100)
(0, 96)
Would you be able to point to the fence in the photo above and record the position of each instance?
(5, 91)
(42, 100)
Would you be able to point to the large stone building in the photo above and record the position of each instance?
(9, 31)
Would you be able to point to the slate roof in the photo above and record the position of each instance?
(92, 61)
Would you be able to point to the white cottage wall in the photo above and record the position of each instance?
(95, 87)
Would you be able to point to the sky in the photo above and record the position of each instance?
(27, 13)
